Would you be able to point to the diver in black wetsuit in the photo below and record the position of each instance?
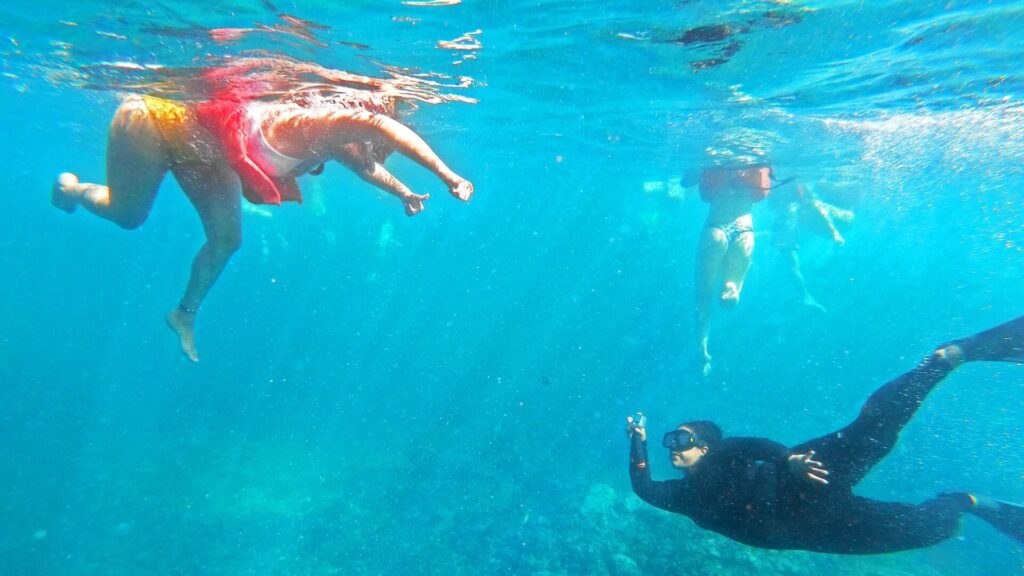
(763, 494)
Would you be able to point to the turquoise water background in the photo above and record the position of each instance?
(445, 394)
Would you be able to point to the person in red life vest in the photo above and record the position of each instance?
(229, 146)
(726, 241)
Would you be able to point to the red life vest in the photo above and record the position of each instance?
(227, 120)
(755, 182)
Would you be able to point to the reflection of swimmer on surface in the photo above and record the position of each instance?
(226, 147)
(768, 495)
(799, 209)
(726, 241)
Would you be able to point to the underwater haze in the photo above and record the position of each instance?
(446, 394)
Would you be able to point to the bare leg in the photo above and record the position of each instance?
(137, 162)
(734, 268)
(794, 270)
(819, 218)
(839, 214)
(404, 140)
(215, 193)
(711, 249)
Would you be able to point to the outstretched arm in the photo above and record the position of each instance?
(402, 139)
(375, 173)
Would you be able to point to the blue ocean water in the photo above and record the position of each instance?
(445, 394)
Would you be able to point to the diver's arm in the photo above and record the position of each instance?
(672, 495)
(758, 471)
(798, 466)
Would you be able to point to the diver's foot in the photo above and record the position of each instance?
(61, 195)
(1006, 517)
(731, 295)
(952, 354)
(1003, 343)
(462, 189)
(813, 304)
(183, 324)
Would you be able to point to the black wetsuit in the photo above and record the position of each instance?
(742, 488)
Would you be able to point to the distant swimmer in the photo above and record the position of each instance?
(764, 494)
(230, 146)
(726, 241)
(798, 209)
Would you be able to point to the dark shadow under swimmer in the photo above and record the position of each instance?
(764, 494)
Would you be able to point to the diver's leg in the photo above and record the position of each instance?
(862, 526)
(735, 265)
(851, 452)
(711, 249)
(215, 193)
(137, 161)
(1003, 343)
(1006, 517)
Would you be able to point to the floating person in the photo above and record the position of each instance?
(798, 209)
(764, 494)
(726, 241)
(226, 147)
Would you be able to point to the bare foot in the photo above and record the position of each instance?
(731, 295)
(463, 190)
(810, 302)
(61, 196)
(183, 323)
(705, 358)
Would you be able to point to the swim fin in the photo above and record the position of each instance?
(1004, 343)
(1006, 517)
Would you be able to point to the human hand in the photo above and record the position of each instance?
(637, 425)
(414, 203)
(804, 466)
(462, 189)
